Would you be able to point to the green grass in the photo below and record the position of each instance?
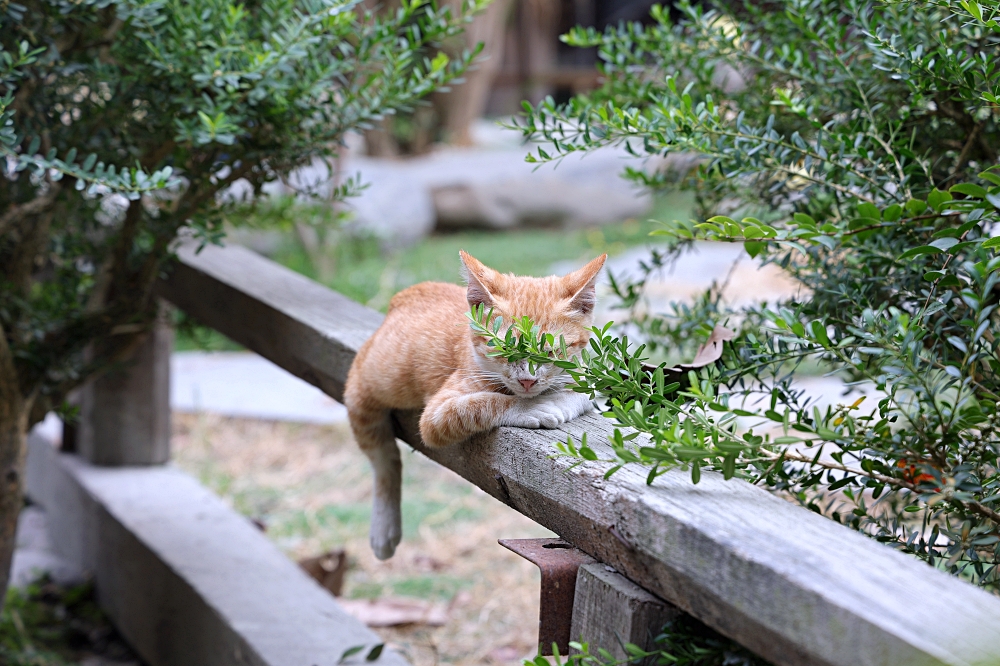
(361, 270)
(429, 587)
(436, 586)
(344, 521)
(365, 274)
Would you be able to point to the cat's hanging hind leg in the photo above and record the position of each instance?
(372, 428)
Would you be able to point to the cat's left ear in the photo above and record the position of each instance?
(480, 279)
(581, 286)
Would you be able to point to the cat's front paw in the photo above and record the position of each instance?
(546, 411)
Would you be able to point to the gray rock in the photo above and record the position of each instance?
(456, 188)
(489, 186)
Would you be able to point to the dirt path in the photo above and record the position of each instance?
(309, 486)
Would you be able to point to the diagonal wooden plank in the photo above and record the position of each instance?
(788, 584)
(296, 323)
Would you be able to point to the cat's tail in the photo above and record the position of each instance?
(372, 427)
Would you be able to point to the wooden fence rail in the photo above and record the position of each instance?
(790, 585)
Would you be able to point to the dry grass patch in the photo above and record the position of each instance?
(311, 488)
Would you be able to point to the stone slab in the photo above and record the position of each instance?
(243, 384)
(185, 579)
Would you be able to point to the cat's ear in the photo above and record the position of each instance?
(581, 286)
(480, 279)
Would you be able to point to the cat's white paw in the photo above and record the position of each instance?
(546, 411)
(386, 530)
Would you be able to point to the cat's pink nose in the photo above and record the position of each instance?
(527, 383)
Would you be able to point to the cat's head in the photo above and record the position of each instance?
(558, 305)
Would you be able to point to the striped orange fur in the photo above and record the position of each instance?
(425, 356)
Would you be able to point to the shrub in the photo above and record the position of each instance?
(859, 155)
(121, 122)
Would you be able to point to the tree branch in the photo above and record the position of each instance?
(28, 245)
(17, 212)
(984, 511)
(8, 371)
(963, 156)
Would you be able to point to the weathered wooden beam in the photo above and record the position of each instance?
(790, 585)
(609, 611)
(297, 324)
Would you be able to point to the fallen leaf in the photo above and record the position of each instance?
(708, 353)
(395, 611)
(328, 570)
(711, 351)
(427, 563)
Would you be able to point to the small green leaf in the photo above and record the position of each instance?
(440, 61)
(968, 189)
(892, 213)
(721, 219)
(350, 652)
(754, 247)
(729, 466)
(869, 210)
(937, 199)
(375, 652)
(992, 242)
(991, 177)
(819, 332)
(918, 251)
(944, 243)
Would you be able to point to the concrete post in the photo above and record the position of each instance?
(125, 413)
(609, 611)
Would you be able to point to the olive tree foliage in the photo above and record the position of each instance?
(860, 156)
(121, 122)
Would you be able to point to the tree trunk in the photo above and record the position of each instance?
(467, 102)
(14, 411)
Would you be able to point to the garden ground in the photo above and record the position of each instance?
(310, 487)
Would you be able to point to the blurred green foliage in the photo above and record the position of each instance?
(46, 624)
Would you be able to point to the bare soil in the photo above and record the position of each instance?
(311, 489)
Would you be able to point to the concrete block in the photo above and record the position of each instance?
(185, 579)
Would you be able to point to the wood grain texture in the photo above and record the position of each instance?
(296, 323)
(609, 611)
(790, 585)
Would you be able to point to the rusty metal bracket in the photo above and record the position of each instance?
(558, 561)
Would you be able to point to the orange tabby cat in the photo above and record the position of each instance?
(424, 355)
